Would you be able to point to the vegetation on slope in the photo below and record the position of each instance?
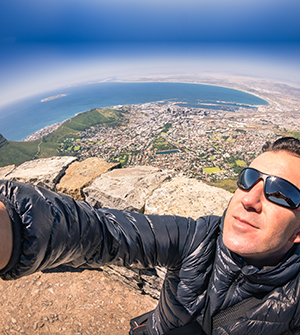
(12, 152)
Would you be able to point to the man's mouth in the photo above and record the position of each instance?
(244, 224)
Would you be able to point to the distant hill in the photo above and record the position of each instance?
(12, 152)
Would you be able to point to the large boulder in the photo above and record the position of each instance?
(44, 172)
(126, 189)
(187, 197)
(81, 174)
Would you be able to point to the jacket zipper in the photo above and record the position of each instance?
(231, 290)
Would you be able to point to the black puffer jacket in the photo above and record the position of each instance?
(51, 229)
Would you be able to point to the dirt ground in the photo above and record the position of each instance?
(69, 302)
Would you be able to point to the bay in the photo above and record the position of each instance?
(23, 118)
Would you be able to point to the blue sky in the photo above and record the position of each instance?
(49, 44)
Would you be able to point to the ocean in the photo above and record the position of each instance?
(18, 120)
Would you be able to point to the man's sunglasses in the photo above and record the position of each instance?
(277, 190)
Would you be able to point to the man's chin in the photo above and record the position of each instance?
(237, 244)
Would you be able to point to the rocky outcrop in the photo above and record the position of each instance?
(44, 172)
(147, 281)
(126, 189)
(4, 171)
(81, 174)
(187, 197)
(142, 188)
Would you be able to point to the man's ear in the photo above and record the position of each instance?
(296, 237)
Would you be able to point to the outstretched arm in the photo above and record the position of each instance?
(6, 240)
(49, 229)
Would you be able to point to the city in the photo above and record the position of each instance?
(206, 144)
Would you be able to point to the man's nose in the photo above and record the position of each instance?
(252, 199)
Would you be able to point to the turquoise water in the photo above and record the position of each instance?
(166, 152)
(21, 119)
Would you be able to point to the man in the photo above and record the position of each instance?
(213, 263)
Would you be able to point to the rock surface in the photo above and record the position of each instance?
(187, 197)
(80, 174)
(70, 302)
(126, 189)
(44, 172)
(6, 170)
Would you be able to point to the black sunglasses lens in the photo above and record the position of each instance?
(277, 190)
(247, 179)
(281, 192)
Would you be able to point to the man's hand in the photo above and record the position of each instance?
(6, 237)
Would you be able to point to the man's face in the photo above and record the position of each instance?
(256, 229)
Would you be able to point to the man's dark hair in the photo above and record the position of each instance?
(289, 144)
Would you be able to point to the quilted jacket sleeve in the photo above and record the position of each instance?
(51, 229)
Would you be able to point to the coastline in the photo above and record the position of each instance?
(42, 132)
(231, 85)
(270, 92)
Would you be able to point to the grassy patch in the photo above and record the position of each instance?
(123, 159)
(294, 133)
(226, 184)
(18, 152)
(240, 162)
(211, 170)
(161, 144)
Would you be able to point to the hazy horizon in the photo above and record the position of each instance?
(50, 45)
